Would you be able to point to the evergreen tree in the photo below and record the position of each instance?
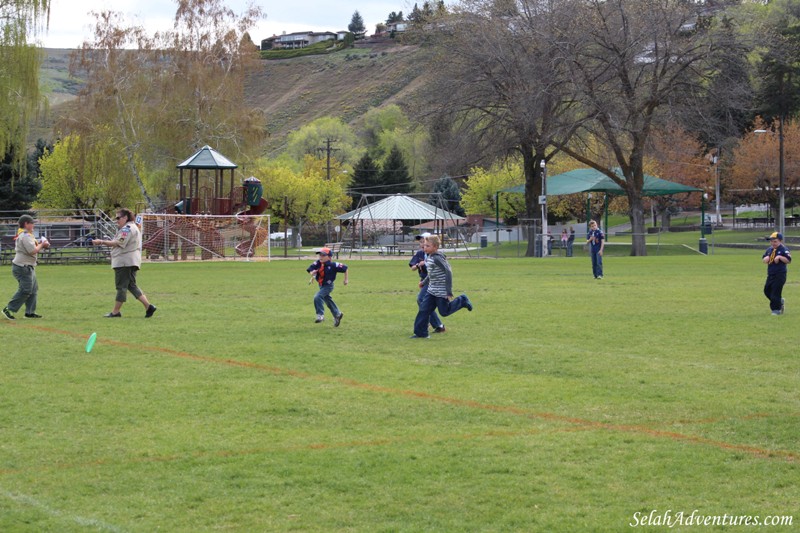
(356, 26)
(395, 177)
(416, 15)
(366, 177)
(450, 194)
(17, 190)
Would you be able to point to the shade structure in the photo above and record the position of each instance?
(399, 207)
(207, 158)
(591, 180)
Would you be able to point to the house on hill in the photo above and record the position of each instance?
(299, 39)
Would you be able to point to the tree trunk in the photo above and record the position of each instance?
(666, 220)
(637, 222)
(135, 171)
(533, 184)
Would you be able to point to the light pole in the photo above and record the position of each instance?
(715, 162)
(543, 202)
(781, 178)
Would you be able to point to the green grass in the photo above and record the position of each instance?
(561, 403)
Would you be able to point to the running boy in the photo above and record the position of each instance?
(440, 289)
(325, 270)
(418, 263)
(776, 258)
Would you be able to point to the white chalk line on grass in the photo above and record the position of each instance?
(80, 520)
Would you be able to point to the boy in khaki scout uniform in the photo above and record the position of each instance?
(126, 258)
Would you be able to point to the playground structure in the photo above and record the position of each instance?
(212, 215)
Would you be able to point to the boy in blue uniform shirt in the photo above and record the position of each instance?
(418, 263)
(324, 271)
(776, 258)
(597, 241)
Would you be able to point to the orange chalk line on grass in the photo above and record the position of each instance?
(388, 441)
(634, 429)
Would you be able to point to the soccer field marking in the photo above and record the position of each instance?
(506, 409)
(317, 446)
(30, 501)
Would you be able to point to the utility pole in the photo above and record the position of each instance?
(327, 149)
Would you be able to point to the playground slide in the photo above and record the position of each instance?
(256, 209)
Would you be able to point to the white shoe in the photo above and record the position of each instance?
(319, 319)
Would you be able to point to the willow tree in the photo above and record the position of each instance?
(20, 21)
(164, 96)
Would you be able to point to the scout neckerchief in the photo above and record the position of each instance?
(772, 256)
(20, 231)
(321, 273)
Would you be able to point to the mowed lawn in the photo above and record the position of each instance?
(561, 403)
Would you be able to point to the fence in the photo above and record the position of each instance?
(205, 237)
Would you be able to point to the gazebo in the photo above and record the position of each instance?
(207, 159)
(398, 207)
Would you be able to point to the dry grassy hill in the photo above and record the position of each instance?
(292, 92)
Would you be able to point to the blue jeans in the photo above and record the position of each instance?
(597, 263)
(26, 293)
(569, 248)
(434, 318)
(429, 305)
(323, 296)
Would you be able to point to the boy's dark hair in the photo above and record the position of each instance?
(122, 212)
(24, 219)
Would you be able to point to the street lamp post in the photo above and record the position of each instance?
(715, 162)
(781, 178)
(543, 202)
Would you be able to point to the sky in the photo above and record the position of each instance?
(71, 21)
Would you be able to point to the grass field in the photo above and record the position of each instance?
(561, 403)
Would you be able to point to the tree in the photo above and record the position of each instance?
(312, 139)
(171, 93)
(366, 178)
(388, 127)
(754, 175)
(632, 62)
(18, 190)
(500, 88)
(356, 26)
(480, 195)
(395, 177)
(394, 17)
(20, 22)
(447, 189)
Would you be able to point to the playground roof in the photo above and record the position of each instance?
(589, 180)
(207, 158)
(399, 207)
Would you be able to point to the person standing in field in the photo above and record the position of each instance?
(570, 241)
(418, 263)
(324, 270)
(23, 268)
(597, 242)
(126, 259)
(776, 258)
(440, 289)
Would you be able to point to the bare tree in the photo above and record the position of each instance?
(633, 62)
(500, 88)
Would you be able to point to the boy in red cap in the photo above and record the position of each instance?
(325, 270)
(776, 258)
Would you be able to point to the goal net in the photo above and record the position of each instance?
(205, 237)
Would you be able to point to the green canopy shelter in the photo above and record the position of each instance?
(592, 180)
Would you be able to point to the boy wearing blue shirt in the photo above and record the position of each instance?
(597, 241)
(776, 258)
(324, 271)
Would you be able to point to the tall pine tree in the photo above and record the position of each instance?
(394, 176)
(366, 176)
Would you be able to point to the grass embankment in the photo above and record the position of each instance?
(562, 403)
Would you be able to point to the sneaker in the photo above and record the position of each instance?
(150, 310)
(418, 337)
(7, 314)
(776, 313)
(32, 315)
(319, 319)
(599, 277)
(467, 303)
(113, 315)
(337, 320)
(440, 329)
(783, 305)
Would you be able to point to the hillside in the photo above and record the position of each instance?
(292, 92)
